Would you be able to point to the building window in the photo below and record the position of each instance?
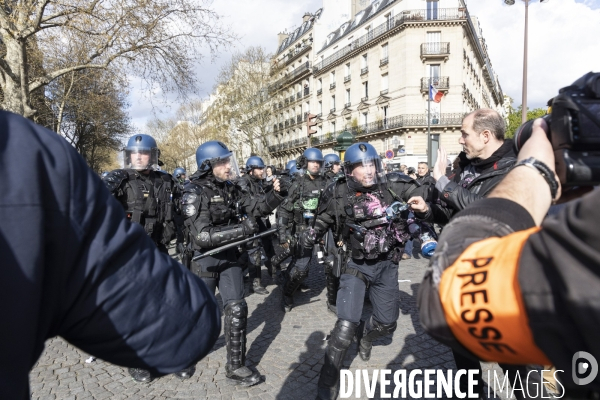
(384, 84)
(319, 84)
(348, 98)
(348, 69)
(365, 90)
(320, 107)
(332, 125)
(332, 77)
(432, 9)
(384, 51)
(364, 61)
(364, 118)
(333, 102)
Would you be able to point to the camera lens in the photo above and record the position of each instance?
(523, 132)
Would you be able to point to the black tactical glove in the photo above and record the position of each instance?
(307, 238)
(250, 226)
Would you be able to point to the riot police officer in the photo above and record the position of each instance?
(296, 215)
(180, 175)
(333, 167)
(146, 194)
(370, 205)
(218, 212)
(333, 172)
(254, 184)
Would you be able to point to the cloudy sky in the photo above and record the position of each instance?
(564, 44)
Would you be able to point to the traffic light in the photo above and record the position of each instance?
(311, 121)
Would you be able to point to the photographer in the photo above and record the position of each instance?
(528, 293)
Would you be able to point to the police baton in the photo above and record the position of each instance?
(234, 244)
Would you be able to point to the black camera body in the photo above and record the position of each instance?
(574, 123)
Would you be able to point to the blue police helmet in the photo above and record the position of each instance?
(360, 152)
(210, 152)
(178, 172)
(313, 154)
(138, 145)
(104, 174)
(290, 164)
(141, 141)
(331, 159)
(254, 162)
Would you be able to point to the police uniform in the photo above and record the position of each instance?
(374, 236)
(217, 213)
(147, 200)
(256, 188)
(295, 215)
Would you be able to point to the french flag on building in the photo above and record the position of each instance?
(434, 94)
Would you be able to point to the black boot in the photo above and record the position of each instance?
(185, 373)
(367, 332)
(291, 282)
(256, 288)
(235, 339)
(140, 375)
(339, 341)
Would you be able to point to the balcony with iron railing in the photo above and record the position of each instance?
(332, 86)
(332, 110)
(441, 83)
(290, 77)
(306, 91)
(383, 61)
(364, 70)
(364, 99)
(384, 92)
(319, 92)
(407, 16)
(299, 95)
(347, 105)
(435, 50)
(298, 118)
(347, 78)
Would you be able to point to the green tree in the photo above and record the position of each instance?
(514, 118)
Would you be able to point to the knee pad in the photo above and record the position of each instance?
(236, 312)
(343, 334)
(375, 329)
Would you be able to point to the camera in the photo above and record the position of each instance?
(574, 131)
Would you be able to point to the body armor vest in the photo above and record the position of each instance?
(149, 203)
(369, 230)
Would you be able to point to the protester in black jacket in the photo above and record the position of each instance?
(487, 157)
(538, 292)
(74, 266)
(423, 175)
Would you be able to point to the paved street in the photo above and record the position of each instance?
(287, 349)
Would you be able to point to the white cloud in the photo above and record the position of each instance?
(563, 43)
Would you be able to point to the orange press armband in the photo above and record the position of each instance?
(482, 301)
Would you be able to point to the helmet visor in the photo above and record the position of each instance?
(140, 158)
(225, 168)
(366, 172)
(314, 167)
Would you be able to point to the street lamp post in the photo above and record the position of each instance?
(524, 98)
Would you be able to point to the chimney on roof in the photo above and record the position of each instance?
(281, 36)
(306, 17)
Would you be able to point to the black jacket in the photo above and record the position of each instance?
(473, 180)
(557, 270)
(73, 266)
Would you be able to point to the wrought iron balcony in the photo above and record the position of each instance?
(435, 49)
(364, 99)
(384, 92)
(332, 110)
(383, 61)
(319, 92)
(347, 78)
(347, 105)
(364, 70)
(332, 85)
(440, 83)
